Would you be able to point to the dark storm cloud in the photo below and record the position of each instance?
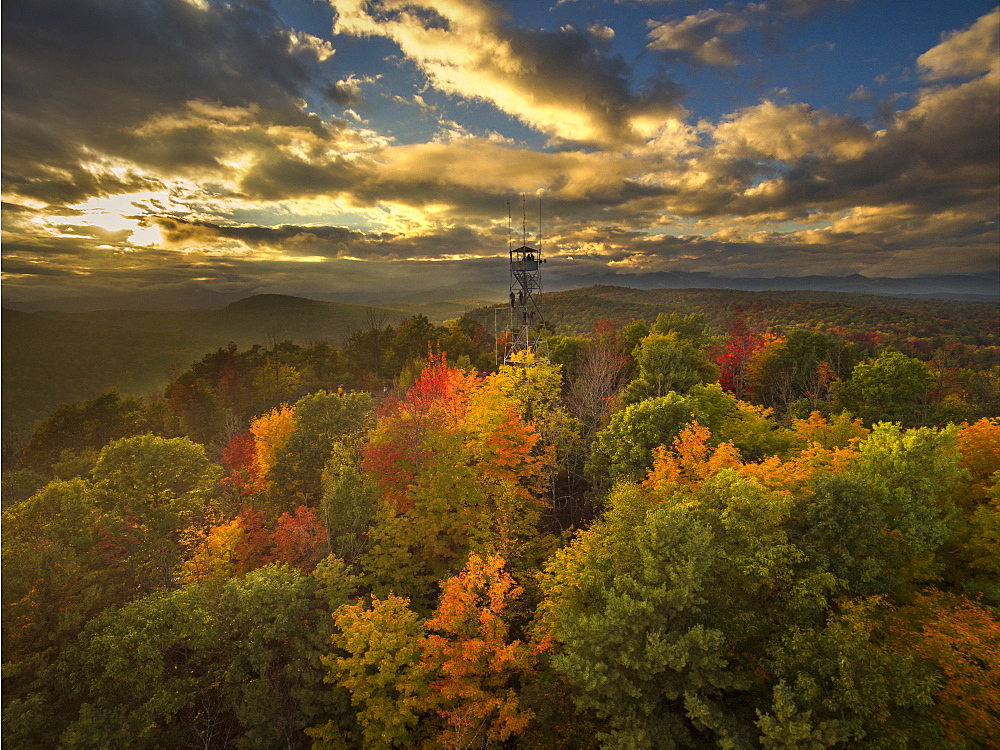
(79, 76)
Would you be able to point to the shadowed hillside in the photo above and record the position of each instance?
(55, 357)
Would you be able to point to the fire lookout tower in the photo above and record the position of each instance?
(525, 286)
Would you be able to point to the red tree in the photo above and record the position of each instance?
(741, 343)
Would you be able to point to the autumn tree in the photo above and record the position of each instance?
(380, 663)
(477, 665)
(957, 642)
(624, 449)
(449, 681)
(446, 459)
(737, 352)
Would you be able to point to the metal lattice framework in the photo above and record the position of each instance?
(525, 314)
(526, 319)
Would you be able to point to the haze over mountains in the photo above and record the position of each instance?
(454, 298)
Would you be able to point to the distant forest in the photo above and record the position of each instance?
(706, 519)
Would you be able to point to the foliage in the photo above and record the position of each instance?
(382, 668)
(446, 681)
(457, 471)
(668, 362)
(199, 665)
(891, 387)
(800, 568)
(624, 449)
(319, 421)
(91, 426)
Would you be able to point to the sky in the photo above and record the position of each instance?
(330, 147)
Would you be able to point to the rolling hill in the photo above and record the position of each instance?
(50, 358)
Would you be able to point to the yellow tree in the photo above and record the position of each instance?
(271, 432)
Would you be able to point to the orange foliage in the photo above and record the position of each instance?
(252, 549)
(474, 658)
(240, 460)
(691, 460)
(962, 642)
(842, 432)
(439, 415)
(979, 444)
(214, 557)
(401, 444)
(245, 543)
(299, 539)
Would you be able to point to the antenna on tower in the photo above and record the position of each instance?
(510, 244)
(524, 233)
(539, 227)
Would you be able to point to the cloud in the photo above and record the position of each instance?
(700, 37)
(554, 81)
(81, 78)
(601, 32)
(148, 144)
(347, 92)
(964, 53)
(862, 94)
(715, 37)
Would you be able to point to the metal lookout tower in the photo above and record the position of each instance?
(525, 286)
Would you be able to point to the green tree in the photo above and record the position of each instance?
(663, 612)
(839, 685)
(57, 575)
(668, 362)
(624, 449)
(150, 490)
(206, 666)
(784, 372)
(320, 419)
(91, 426)
(913, 474)
(691, 328)
(349, 503)
(891, 387)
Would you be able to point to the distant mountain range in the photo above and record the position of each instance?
(972, 287)
(449, 301)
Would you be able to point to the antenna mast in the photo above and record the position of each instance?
(510, 243)
(524, 235)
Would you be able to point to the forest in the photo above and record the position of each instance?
(700, 521)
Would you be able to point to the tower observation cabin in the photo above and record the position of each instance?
(525, 287)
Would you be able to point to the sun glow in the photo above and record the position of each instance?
(122, 213)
